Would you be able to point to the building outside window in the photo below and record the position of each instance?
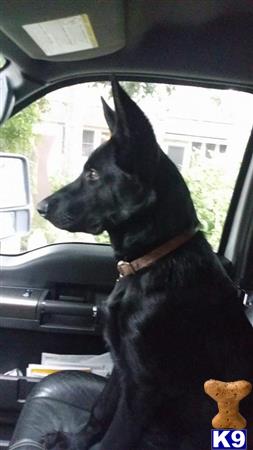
(105, 136)
(88, 142)
(176, 154)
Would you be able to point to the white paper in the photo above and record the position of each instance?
(60, 36)
(55, 358)
(98, 364)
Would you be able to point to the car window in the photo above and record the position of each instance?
(204, 131)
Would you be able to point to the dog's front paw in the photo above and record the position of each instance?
(57, 441)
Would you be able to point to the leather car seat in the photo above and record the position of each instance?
(60, 402)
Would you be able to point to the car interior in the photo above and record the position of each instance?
(51, 295)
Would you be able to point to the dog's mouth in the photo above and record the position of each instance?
(63, 220)
(68, 224)
(63, 223)
(89, 229)
(94, 229)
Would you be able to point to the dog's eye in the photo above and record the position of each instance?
(91, 175)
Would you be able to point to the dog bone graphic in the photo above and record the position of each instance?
(228, 395)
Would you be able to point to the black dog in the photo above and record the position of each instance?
(170, 325)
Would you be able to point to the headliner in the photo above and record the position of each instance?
(198, 41)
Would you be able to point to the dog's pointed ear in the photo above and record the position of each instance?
(110, 116)
(138, 149)
(128, 113)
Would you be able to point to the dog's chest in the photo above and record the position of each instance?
(120, 309)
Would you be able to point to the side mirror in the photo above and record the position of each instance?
(15, 197)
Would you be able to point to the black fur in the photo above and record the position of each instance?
(170, 327)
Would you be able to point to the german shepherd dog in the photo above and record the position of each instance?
(172, 324)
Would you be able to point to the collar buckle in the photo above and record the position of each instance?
(125, 268)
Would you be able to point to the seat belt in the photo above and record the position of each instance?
(247, 299)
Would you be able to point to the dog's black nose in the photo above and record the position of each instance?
(42, 208)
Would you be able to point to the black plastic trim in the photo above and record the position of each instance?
(14, 390)
(74, 263)
(236, 195)
(46, 88)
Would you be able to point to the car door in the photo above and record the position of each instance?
(53, 284)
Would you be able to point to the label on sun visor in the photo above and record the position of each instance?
(67, 35)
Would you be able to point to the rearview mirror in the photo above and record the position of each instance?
(15, 213)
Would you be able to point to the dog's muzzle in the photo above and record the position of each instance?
(42, 208)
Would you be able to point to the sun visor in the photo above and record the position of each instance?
(68, 31)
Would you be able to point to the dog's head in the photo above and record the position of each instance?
(124, 178)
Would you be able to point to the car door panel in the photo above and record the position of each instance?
(50, 301)
(57, 288)
(77, 263)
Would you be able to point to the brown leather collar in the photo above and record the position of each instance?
(126, 268)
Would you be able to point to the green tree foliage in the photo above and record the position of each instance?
(211, 192)
(136, 90)
(17, 134)
(141, 89)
